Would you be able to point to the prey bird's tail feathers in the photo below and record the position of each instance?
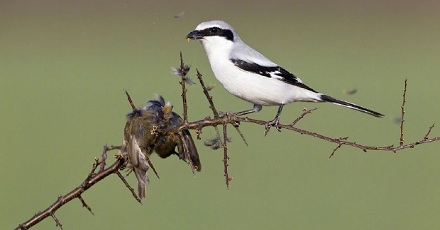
(350, 105)
(187, 149)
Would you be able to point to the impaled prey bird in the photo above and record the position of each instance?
(155, 127)
(249, 75)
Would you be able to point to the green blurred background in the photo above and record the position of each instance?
(64, 66)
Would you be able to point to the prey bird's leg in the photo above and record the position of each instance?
(255, 109)
(275, 122)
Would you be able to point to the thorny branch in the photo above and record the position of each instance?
(402, 119)
(225, 155)
(91, 179)
(223, 120)
(340, 141)
(212, 107)
(183, 94)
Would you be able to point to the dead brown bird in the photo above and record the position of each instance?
(155, 128)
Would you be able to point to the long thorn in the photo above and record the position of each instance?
(129, 100)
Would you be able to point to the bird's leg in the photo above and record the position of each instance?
(255, 109)
(276, 121)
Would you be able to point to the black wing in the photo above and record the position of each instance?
(276, 72)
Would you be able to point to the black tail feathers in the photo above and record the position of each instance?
(350, 105)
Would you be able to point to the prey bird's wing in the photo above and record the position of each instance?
(140, 165)
(188, 150)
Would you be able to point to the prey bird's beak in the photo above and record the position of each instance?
(194, 35)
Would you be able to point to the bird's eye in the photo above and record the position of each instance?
(214, 30)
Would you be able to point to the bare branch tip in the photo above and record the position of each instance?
(85, 205)
(127, 185)
(57, 222)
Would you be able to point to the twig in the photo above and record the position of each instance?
(211, 104)
(206, 92)
(236, 126)
(85, 205)
(403, 113)
(429, 132)
(212, 122)
(91, 180)
(57, 222)
(214, 110)
(337, 147)
(334, 150)
(128, 186)
(152, 167)
(182, 83)
(305, 112)
(103, 159)
(129, 100)
(225, 154)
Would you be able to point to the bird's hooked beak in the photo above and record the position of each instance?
(194, 35)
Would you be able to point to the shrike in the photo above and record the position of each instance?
(249, 75)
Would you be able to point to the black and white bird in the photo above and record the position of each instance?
(249, 75)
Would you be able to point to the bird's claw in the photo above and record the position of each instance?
(275, 123)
